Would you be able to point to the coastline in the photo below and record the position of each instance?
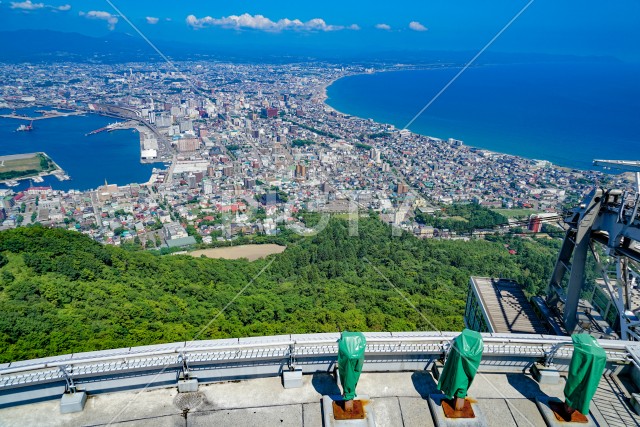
(324, 87)
(325, 98)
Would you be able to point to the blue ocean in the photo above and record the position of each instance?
(567, 113)
(88, 160)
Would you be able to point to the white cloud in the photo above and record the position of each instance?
(416, 26)
(354, 27)
(112, 20)
(151, 20)
(26, 5)
(385, 27)
(262, 23)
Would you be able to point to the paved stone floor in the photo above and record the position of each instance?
(397, 399)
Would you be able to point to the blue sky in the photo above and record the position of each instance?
(584, 27)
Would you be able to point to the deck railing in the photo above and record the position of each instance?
(219, 360)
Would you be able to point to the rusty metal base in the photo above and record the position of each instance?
(438, 403)
(449, 409)
(546, 406)
(334, 404)
(559, 410)
(340, 413)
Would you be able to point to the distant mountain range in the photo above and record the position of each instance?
(46, 45)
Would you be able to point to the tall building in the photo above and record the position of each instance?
(249, 183)
(270, 112)
(301, 171)
(374, 154)
(191, 179)
(237, 168)
(207, 186)
(186, 125)
(163, 120)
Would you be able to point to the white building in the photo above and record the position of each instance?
(174, 230)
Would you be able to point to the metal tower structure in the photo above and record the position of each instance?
(608, 218)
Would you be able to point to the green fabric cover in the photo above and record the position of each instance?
(461, 365)
(350, 359)
(585, 370)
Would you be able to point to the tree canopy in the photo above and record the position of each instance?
(61, 292)
(463, 218)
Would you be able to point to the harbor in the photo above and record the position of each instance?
(148, 137)
(85, 162)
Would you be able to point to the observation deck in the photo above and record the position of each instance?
(239, 381)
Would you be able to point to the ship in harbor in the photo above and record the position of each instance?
(25, 128)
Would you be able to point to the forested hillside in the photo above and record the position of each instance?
(61, 292)
(463, 218)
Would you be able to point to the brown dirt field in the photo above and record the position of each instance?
(251, 252)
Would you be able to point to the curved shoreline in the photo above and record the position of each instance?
(326, 86)
(325, 99)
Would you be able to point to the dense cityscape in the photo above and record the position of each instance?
(247, 147)
(419, 213)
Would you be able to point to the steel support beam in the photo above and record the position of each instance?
(576, 280)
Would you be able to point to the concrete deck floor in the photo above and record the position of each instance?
(397, 399)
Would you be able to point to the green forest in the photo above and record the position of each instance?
(463, 218)
(61, 292)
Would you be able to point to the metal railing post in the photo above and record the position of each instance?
(548, 356)
(292, 357)
(70, 386)
(182, 359)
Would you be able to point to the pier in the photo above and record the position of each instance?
(130, 124)
(102, 129)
